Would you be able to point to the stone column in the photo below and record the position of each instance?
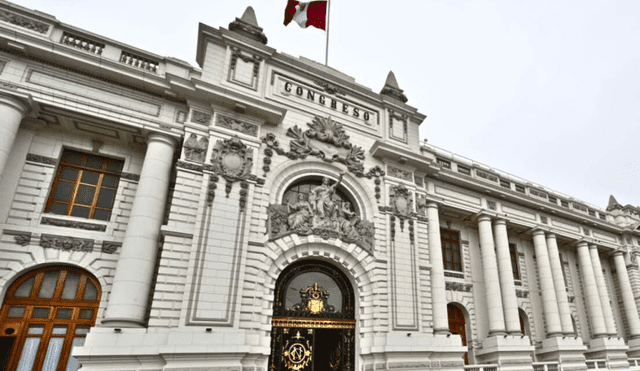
(507, 286)
(438, 293)
(549, 303)
(561, 289)
(129, 297)
(630, 308)
(591, 292)
(492, 290)
(12, 112)
(602, 290)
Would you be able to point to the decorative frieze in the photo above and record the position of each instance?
(66, 243)
(21, 238)
(458, 286)
(25, 22)
(201, 118)
(195, 149)
(41, 159)
(73, 224)
(109, 247)
(400, 174)
(190, 166)
(130, 176)
(237, 125)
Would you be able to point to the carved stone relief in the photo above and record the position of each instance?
(200, 117)
(24, 22)
(237, 125)
(400, 174)
(320, 215)
(66, 243)
(325, 139)
(421, 205)
(21, 238)
(195, 149)
(109, 247)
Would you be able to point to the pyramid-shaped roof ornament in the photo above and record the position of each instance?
(613, 204)
(247, 25)
(392, 89)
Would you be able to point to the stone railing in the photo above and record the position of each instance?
(634, 363)
(481, 368)
(545, 366)
(597, 364)
(82, 43)
(138, 62)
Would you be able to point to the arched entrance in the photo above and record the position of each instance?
(45, 314)
(457, 325)
(313, 324)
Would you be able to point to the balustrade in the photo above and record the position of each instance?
(82, 43)
(138, 62)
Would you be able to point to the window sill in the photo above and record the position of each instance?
(73, 222)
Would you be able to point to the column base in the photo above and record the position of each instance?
(634, 348)
(567, 351)
(613, 349)
(510, 352)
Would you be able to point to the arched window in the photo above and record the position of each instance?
(524, 322)
(457, 325)
(44, 315)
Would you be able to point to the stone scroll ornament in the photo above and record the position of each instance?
(325, 139)
(232, 160)
(320, 215)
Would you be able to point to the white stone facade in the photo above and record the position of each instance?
(190, 255)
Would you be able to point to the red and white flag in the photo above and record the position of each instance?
(313, 13)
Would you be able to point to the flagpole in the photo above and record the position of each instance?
(326, 53)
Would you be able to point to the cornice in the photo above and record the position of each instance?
(384, 150)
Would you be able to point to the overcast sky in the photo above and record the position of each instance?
(546, 90)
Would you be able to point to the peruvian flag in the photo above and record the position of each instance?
(313, 13)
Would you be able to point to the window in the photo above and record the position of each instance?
(44, 315)
(451, 250)
(514, 261)
(85, 186)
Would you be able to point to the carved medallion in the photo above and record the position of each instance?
(232, 158)
(401, 201)
(297, 355)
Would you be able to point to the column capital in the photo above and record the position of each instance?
(432, 204)
(580, 242)
(538, 231)
(15, 103)
(162, 137)
(593, 246)
(551, 235)
(483, 215)
(618, 252)
(499, 221)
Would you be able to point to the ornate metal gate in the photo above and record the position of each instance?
(313, 326)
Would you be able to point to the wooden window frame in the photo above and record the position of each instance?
(515, 267)
(449, 250)
(21, 324)
(78, 182)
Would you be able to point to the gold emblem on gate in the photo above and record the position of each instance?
(296, 356)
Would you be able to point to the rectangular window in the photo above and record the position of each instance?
(514, 261)
(451, 254)
(85, 186)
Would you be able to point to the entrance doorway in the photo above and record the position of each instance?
(313, 324)
(457, 325)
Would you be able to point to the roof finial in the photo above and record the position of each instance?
(613, 204)
(392, 89)
(247, 25)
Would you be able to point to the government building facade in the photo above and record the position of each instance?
(261, 212)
